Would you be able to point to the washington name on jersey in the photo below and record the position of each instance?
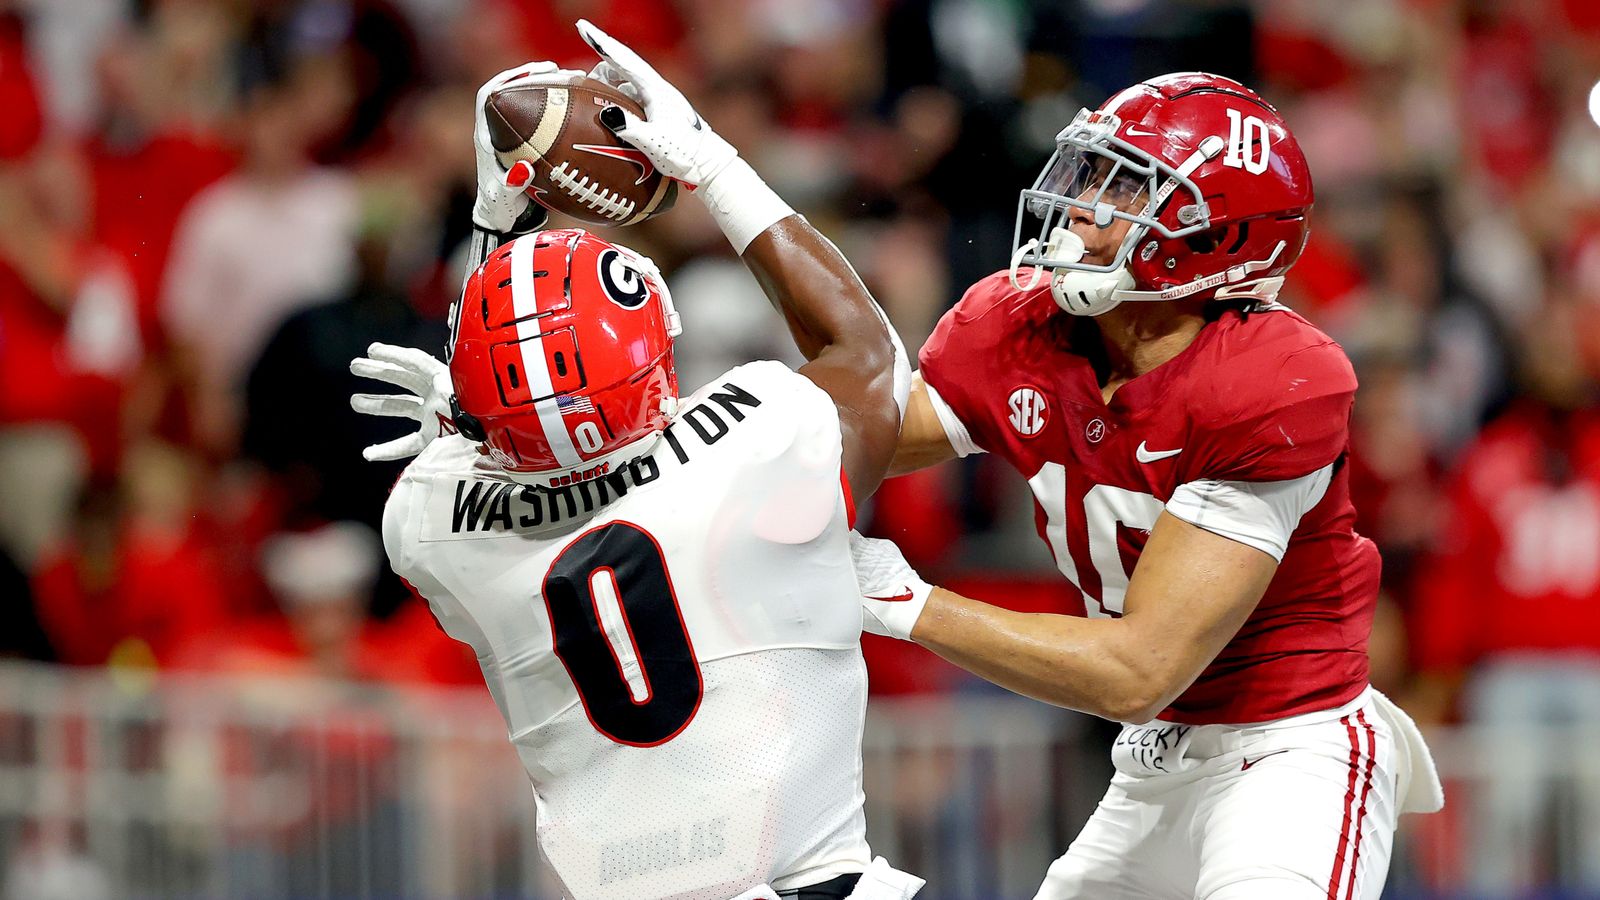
(674, 644)
(1243, 433)
(486, 506)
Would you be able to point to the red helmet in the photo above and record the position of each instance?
(1213, 182)
(561, 356)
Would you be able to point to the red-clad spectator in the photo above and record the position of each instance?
(1516, 570)
(1394, 481)
(69, 348)
(544, 29)
(1506, 114)
(1507, 614)
(414, 648)
(1328, 281)
(23, 121)
(145, 163)
(322, 580)
(132, 585)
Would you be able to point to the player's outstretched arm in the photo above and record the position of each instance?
(853, 353)
(839, 328)
(1189, 595)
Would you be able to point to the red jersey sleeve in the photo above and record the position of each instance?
(978, 344)
(1276, 410)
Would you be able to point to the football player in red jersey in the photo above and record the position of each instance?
(1185, 438)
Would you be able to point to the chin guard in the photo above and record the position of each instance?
(1082, 293)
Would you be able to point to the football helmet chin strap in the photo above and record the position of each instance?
(1092, 293)
(670, 406)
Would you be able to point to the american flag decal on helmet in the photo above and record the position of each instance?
(570, 404)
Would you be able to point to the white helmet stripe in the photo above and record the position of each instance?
(535, 364)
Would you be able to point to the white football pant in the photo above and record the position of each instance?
(1296, 809)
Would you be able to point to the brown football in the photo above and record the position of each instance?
(580, 168)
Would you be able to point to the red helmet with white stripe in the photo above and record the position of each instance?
(1212, 182)
(561, 356)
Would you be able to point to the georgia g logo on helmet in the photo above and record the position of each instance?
(622, 280)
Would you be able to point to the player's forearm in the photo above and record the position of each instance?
(1090, 665)
(813, 286)
(805, 276)
(484, 242)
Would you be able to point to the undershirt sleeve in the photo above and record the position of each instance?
(960, 439)
(1259, 514)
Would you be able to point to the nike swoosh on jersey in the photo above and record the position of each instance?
(1149, 456)
(897, 598)
(1250, 762)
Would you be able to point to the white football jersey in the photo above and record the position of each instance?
(675, 645)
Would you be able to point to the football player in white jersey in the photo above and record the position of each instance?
(659, 590)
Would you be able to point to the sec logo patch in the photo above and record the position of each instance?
(1028, 411)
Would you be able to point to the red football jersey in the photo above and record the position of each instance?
(1516, 569)
(1256, 399)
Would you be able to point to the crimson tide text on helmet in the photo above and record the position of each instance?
(1213, 184)
(561, 356)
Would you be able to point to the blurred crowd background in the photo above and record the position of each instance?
(208, 207)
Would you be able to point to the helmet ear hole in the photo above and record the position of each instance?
(466, 423)
(1234, 236)
(1244, 235)
(1206, 241)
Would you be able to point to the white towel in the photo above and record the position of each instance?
(1419, 788)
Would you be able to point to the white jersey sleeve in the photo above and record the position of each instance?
(954, 431)
(1259, 514)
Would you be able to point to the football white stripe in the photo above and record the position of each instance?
(536, 368)
(550, 123)
(655, 201)
(549, 128)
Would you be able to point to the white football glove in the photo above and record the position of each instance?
(892, 593)
(426, 378)
(502, 197)
(672, 134)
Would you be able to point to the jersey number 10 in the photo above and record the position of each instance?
(617, 575)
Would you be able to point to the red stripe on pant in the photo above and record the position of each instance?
(1366, 788)
(1349, 804)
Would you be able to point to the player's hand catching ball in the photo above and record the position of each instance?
(892, 593)
(672, 134)
(503, 205)
(426, 378)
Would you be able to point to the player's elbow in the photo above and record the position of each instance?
(872, 350)
(872, 362)
(1142, 686)
(1135, 708)
(1132, 703)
